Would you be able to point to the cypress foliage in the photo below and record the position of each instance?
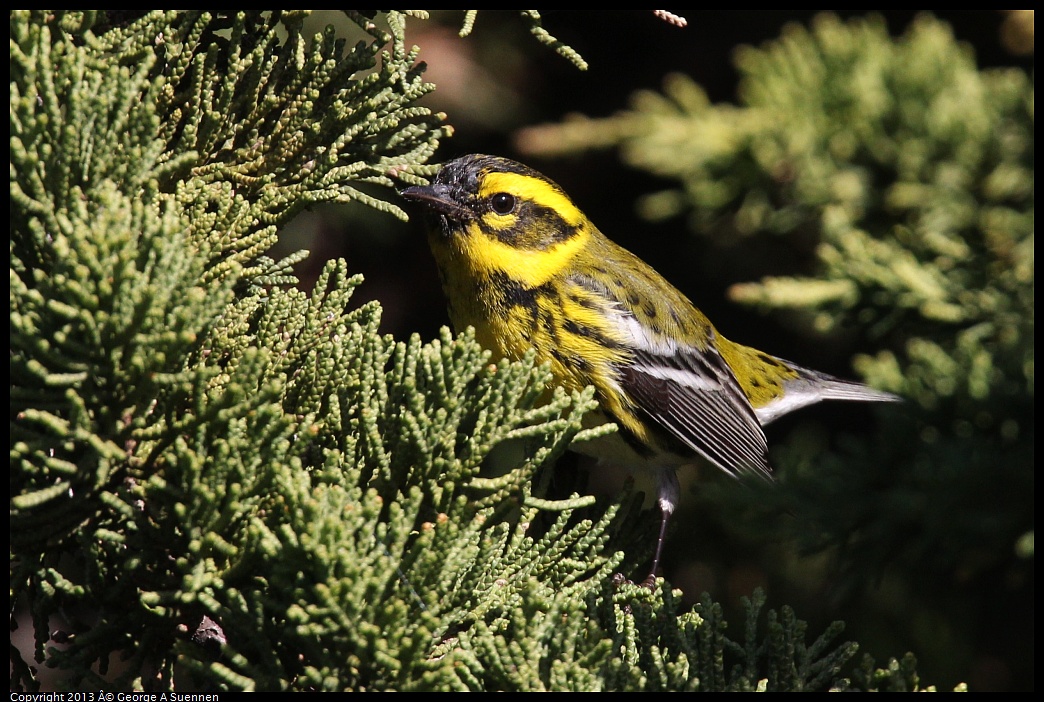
(222, 482)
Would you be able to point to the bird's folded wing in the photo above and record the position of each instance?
(694, 396)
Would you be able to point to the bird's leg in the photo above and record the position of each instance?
(668, 495)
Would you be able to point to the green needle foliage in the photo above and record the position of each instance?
(222, 482)
(533, 21)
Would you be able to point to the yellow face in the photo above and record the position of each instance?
(521, 226)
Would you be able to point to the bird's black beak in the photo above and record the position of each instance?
(437, 197)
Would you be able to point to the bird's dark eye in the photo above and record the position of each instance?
(502, 203)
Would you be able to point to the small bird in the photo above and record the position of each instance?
(528, 270)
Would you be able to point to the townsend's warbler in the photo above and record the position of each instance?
(523, 266)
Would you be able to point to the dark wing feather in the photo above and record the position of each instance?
(695, 397)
